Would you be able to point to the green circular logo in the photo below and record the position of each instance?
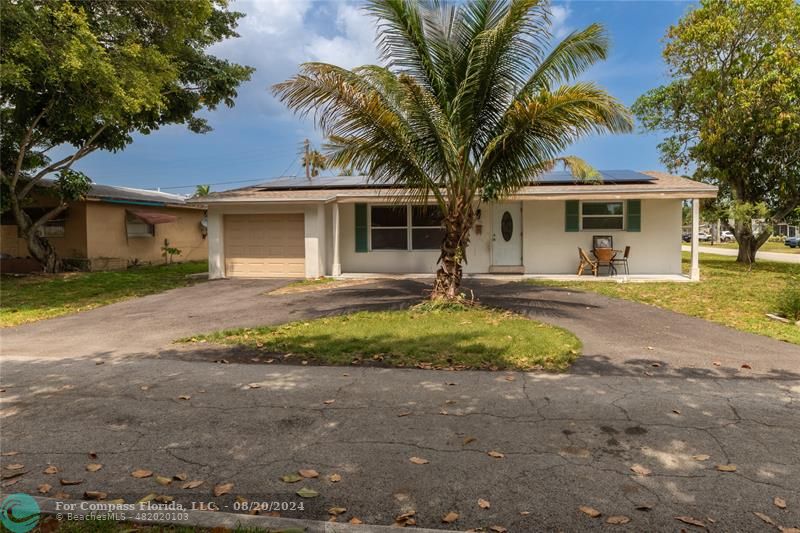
(19, 513)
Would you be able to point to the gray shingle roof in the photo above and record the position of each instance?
(114, 192)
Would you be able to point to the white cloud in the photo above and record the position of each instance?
(558, 18)
(354, 45)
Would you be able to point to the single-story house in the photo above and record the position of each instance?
(113, 227)
(348, 225)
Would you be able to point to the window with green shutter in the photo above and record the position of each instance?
(634, 216)
(361, 228)
(572, 215)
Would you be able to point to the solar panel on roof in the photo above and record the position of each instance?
(359, 182)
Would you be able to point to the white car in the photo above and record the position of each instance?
(727, 236)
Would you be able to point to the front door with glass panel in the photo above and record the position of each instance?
(507, 234)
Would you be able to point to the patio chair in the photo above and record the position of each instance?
(605, 257)
(624, 260)
(586, 262)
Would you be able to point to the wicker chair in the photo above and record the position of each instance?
(605, 257)
(586, 262)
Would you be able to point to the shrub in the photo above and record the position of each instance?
(789, 302)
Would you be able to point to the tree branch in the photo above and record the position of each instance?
(23, 146)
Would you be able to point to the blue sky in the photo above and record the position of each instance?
(259, 139)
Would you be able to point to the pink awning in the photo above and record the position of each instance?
(150, 217)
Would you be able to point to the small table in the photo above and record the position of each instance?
(605, 256)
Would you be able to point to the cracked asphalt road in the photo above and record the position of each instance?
(568, 439)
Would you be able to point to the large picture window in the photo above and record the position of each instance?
(602, 215)
(416, 227)
(389, 228)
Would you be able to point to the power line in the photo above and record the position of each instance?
(231, 182)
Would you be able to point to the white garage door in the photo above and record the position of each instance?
(264, 246)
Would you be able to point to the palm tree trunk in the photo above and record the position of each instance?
(454, 246)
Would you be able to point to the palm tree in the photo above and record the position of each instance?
(314, 161)
(473, 104)
(202, 190)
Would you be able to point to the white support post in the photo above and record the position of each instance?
(336, 269)
(321, 246)
(695, 271)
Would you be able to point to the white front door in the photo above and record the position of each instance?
(507, 234)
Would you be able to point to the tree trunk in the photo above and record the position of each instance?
(749, 243)
(454, 246)
(41, 250)
(38, 246)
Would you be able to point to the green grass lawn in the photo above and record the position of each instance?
(728, 293)
(30, 298)
(469, 337)
(51, 524)
(767, 247)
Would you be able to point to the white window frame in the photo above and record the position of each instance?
(369, 227)
(408, 227)
(623, 216)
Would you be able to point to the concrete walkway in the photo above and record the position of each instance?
(626, 431)
(764, 256)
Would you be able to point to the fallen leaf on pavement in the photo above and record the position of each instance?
(676, 411)
(450, 517)
(524, 513)
(589, 511)
(141, 473)
(150, 497)
(44, 488)
(10, 482)
(496, 455)
(15, 466)
(61, 495)
(406, 413)
(223, 488)
(51, 470)
(95, 495)
(780, 503)
(483, 504)
(716, 363)
(701, 457)
(641, 470)
(328, 402)
(726, 468)
(498, 529)
(291, 478)
(691, 521)
(765, 518)
(510, 378)
(644, 507)
(184, 397)
(8, 454)
(334, 478)
(406, 519)
(163, 498)
(335, 511)
(618, 520)
(93, 467)
(468, 440)
(253, 385)
(747, 366)
(163, 480)
(180, 477)
(92, 455)
(70, 481)
(308, 473)
(13, 474)
(788, 529)
(192, 484)
(305, 492)
(419, 461)
(355, 521)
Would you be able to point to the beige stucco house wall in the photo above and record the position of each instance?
(95, 229)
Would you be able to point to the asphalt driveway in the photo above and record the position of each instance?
(635, 429)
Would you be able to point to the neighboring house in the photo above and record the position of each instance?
(295, 227)
(114, 227)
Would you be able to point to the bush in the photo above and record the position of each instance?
(789, 302)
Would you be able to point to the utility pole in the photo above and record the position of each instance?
(306, 161)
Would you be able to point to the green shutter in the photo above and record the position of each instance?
(634, 217)
(572, 219)
(361, 228)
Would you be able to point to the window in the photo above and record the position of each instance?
(137, 228)
(54, 228)
(427, 232)
(389, 228)
(416, 227)
(602, 215)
